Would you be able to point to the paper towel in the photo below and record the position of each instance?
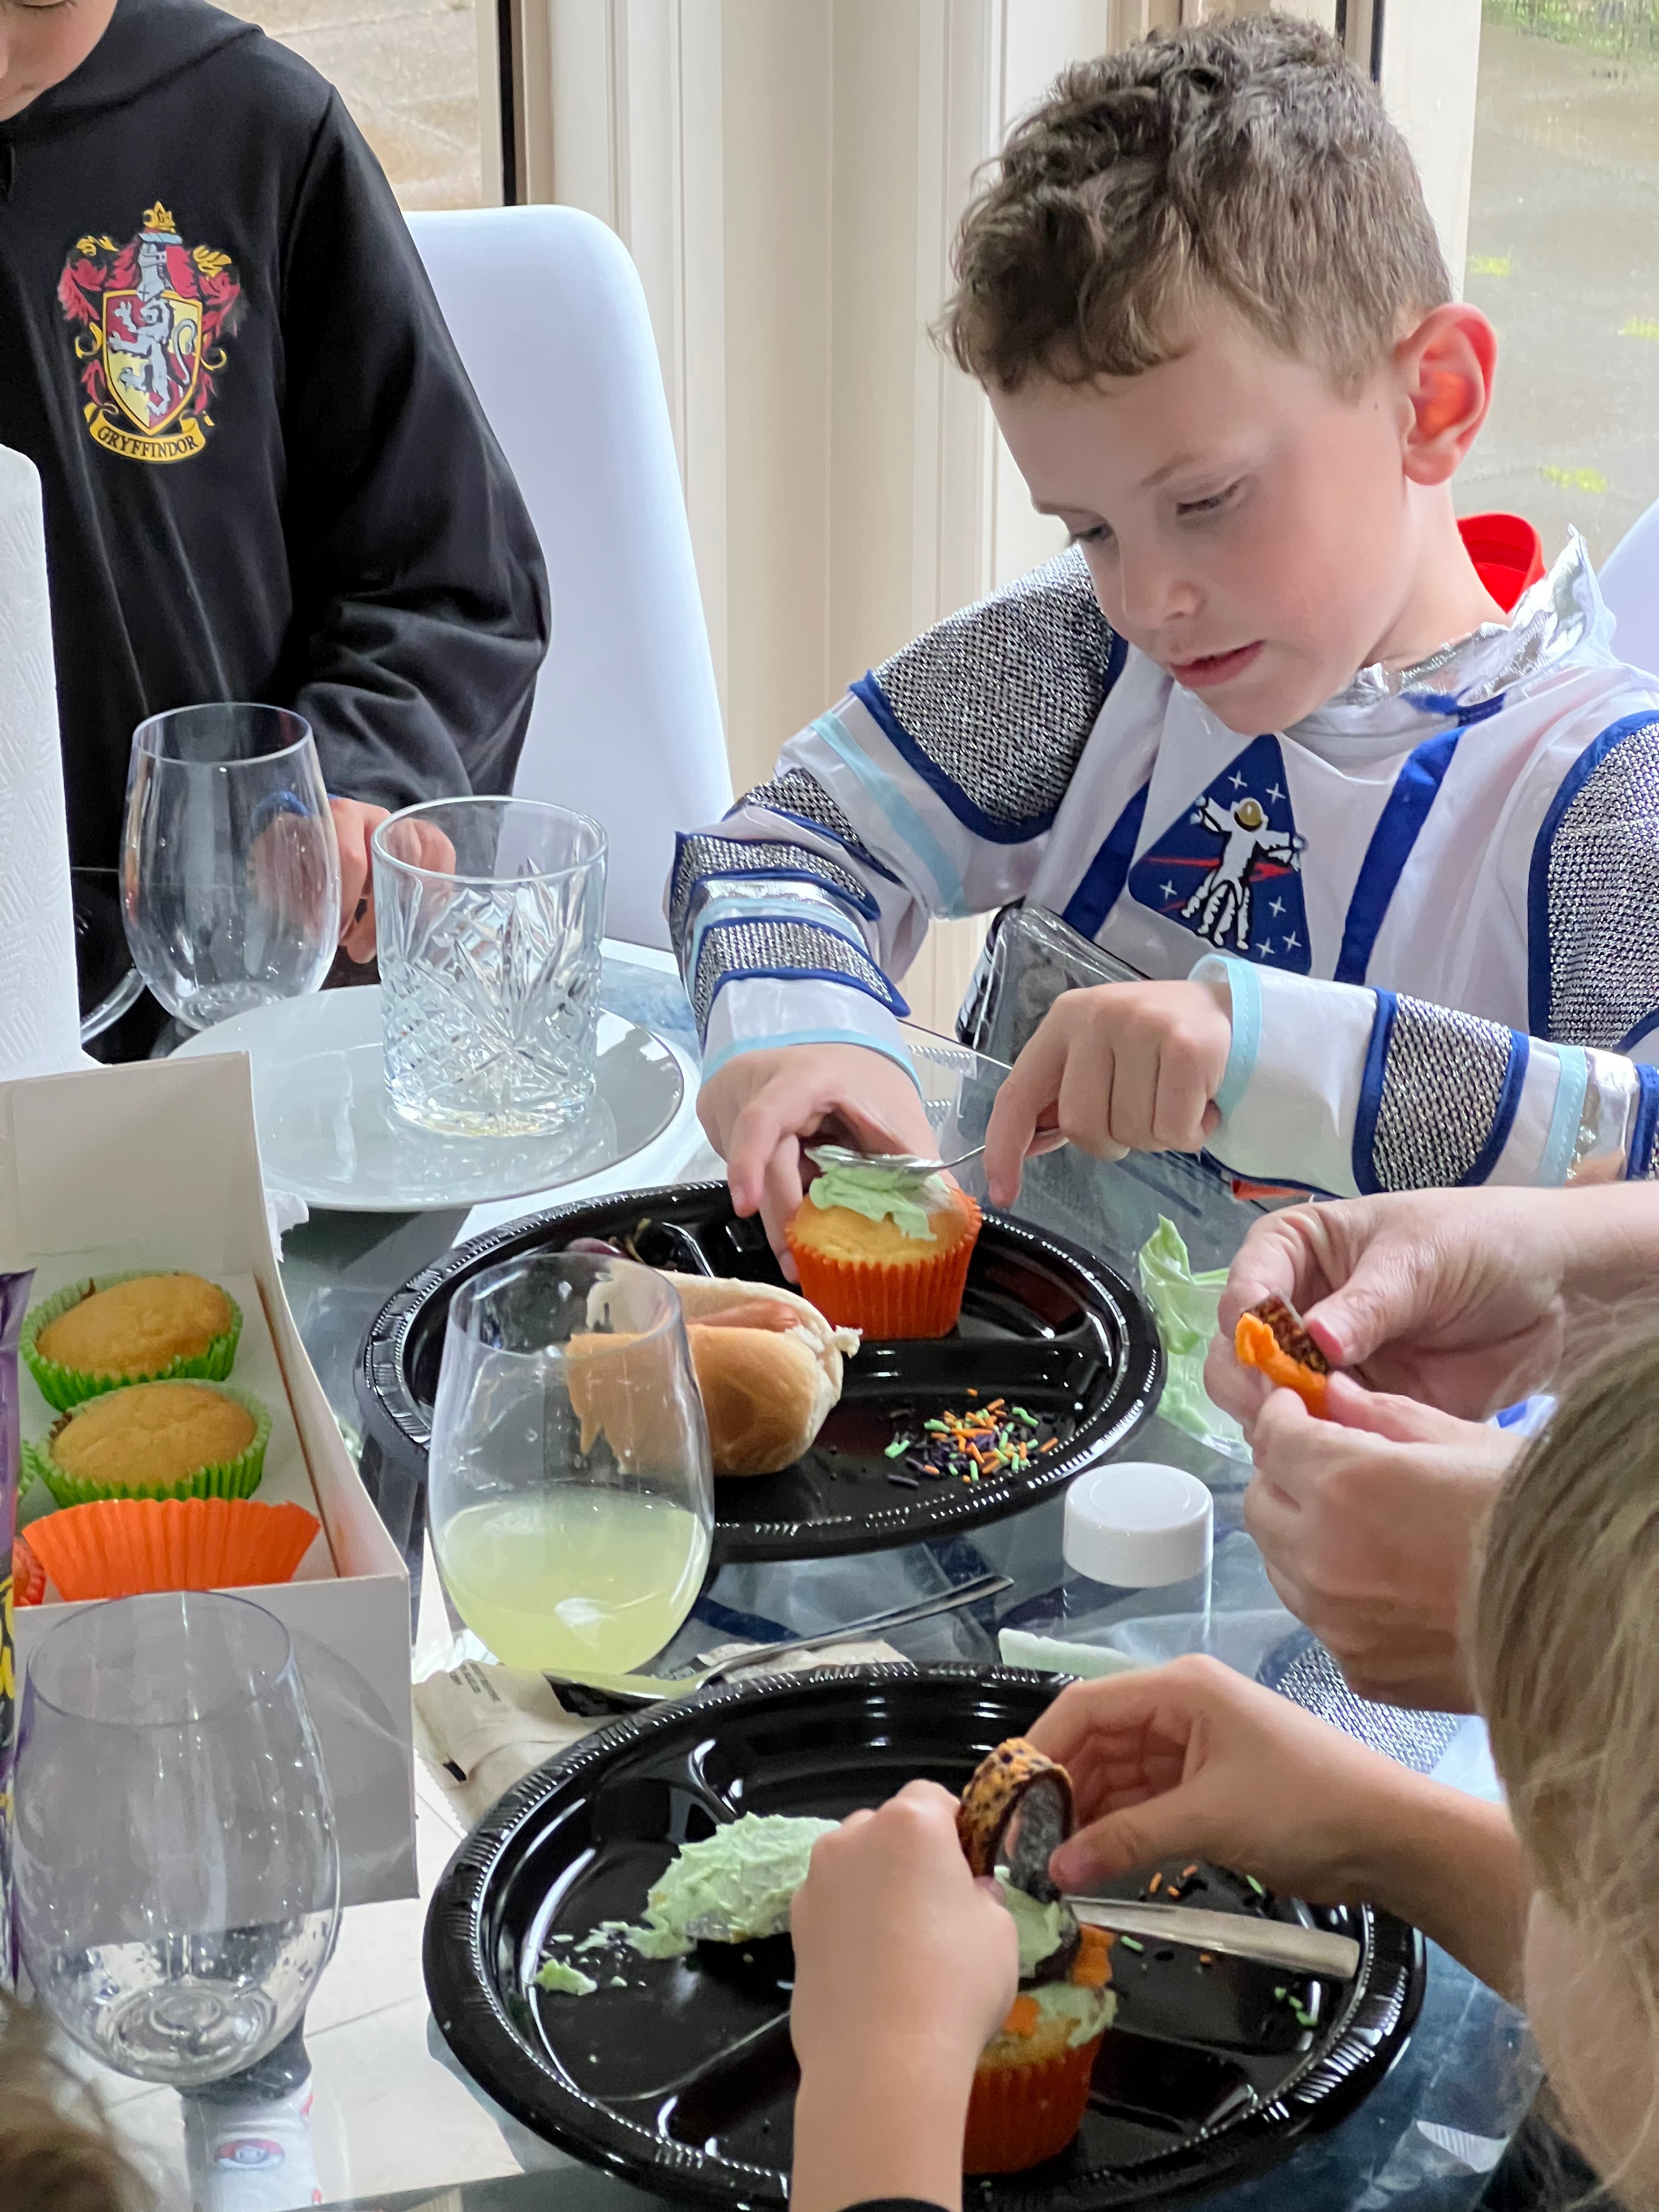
(40, 1005)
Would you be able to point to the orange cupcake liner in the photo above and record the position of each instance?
(130, 1546)
(1018, 2116)
(888, 1299)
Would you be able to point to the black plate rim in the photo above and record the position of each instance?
(395, 1421)
(1364, 2039)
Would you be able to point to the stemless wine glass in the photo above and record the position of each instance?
(177, 1876)
(230, 875)
(568, 1488)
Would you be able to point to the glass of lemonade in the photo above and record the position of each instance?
(570, 1492)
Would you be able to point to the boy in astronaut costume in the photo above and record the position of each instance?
(1400, 926)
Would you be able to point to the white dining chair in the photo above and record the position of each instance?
(1630, 584)
(549, 314)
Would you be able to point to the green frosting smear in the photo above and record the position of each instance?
(880, 1193)
(570, 1981)
(735, 1886)
(1039, 1927)
(1088, 2012)
(1185, 1306)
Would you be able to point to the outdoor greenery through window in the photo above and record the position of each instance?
(1563, 256)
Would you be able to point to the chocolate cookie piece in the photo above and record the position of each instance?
(1289, 1336)
(1015, 1779)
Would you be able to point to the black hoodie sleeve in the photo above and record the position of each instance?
(421, 601)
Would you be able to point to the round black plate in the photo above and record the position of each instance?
(1044, 1324)
(1207, 2075)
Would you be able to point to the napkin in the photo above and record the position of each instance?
(39, 1003)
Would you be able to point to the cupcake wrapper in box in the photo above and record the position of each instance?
(65, 1387)
(888, 1299)
(1018, 2116)
(130, 1546)
(235, 1478)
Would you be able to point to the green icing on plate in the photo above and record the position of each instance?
(1185, 1305)
(734, 1886)
(569, 1981)
(882, 1194)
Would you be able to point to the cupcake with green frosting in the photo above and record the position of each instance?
(174, 1439)
(106, 1332)
(885, 1250)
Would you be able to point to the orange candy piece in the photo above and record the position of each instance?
(1257, 1346)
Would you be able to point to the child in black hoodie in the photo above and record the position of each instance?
(266, 476)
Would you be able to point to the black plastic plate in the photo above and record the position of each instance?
(1207, 2076)
(1044, 1324)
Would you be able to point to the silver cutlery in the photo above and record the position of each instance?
(1233, 1935)
(841, 1156)
(652, 1689)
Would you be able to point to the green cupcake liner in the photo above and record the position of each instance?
(65, 1387)
(236, 1478)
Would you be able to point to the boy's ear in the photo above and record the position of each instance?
(1446, 366)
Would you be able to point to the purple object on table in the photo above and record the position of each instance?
(14, 1302)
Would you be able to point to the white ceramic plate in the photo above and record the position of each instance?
(327, 1135)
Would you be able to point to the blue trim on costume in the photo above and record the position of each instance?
(1570, 1084)
(1398, 828)
(1467, 716)
(1508, 1099)
(861, 902)
(907, 827)
(871, 696)
(1104, 877)
(1640, 1157)
(1538, 878)
(856, 851)
(738, 1046)
(1244, 986)
(1632, 1038)
(893, 1004)
(1371, 1096)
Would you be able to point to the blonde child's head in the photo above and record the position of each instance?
(1204, 293)
(57, 2150)
(1565, 1651)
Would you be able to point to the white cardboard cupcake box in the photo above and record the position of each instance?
(156, 1166)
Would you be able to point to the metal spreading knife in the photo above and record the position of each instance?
(1234, 1935)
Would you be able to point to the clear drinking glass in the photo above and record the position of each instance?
(568, 1489)
(489, 914)
(177, 1878)
(230, 874)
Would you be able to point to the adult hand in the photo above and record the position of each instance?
(905, 1966)
(1369, 1531)
(761, 1108)
(1193, 1761)
(424, 845)
(1122, 1068)
(1455, 1297)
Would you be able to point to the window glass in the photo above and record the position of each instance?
(1563, 256)
(409, 72)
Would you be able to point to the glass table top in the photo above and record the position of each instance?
(393, 2123)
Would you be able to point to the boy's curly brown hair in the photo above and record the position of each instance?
(59, 2152)
(1247, 161)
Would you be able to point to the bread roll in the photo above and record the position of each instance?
(768, 1368)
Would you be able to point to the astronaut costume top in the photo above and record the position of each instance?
(1435, 901)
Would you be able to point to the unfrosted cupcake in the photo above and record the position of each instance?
(883, 1250)
(116, 1329)
(156, 1440)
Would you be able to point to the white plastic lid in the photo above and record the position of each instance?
(1138, 1525)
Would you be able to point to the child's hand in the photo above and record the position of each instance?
(1368, 1531)
(895, 1941)
(1123, 1067)
(1193, 1761)
(905, 1967)
(355, 824)
(762, 1107)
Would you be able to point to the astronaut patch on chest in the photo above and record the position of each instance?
(1229, 868)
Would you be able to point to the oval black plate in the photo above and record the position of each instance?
(1044, 1324)
(1207, 2075)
